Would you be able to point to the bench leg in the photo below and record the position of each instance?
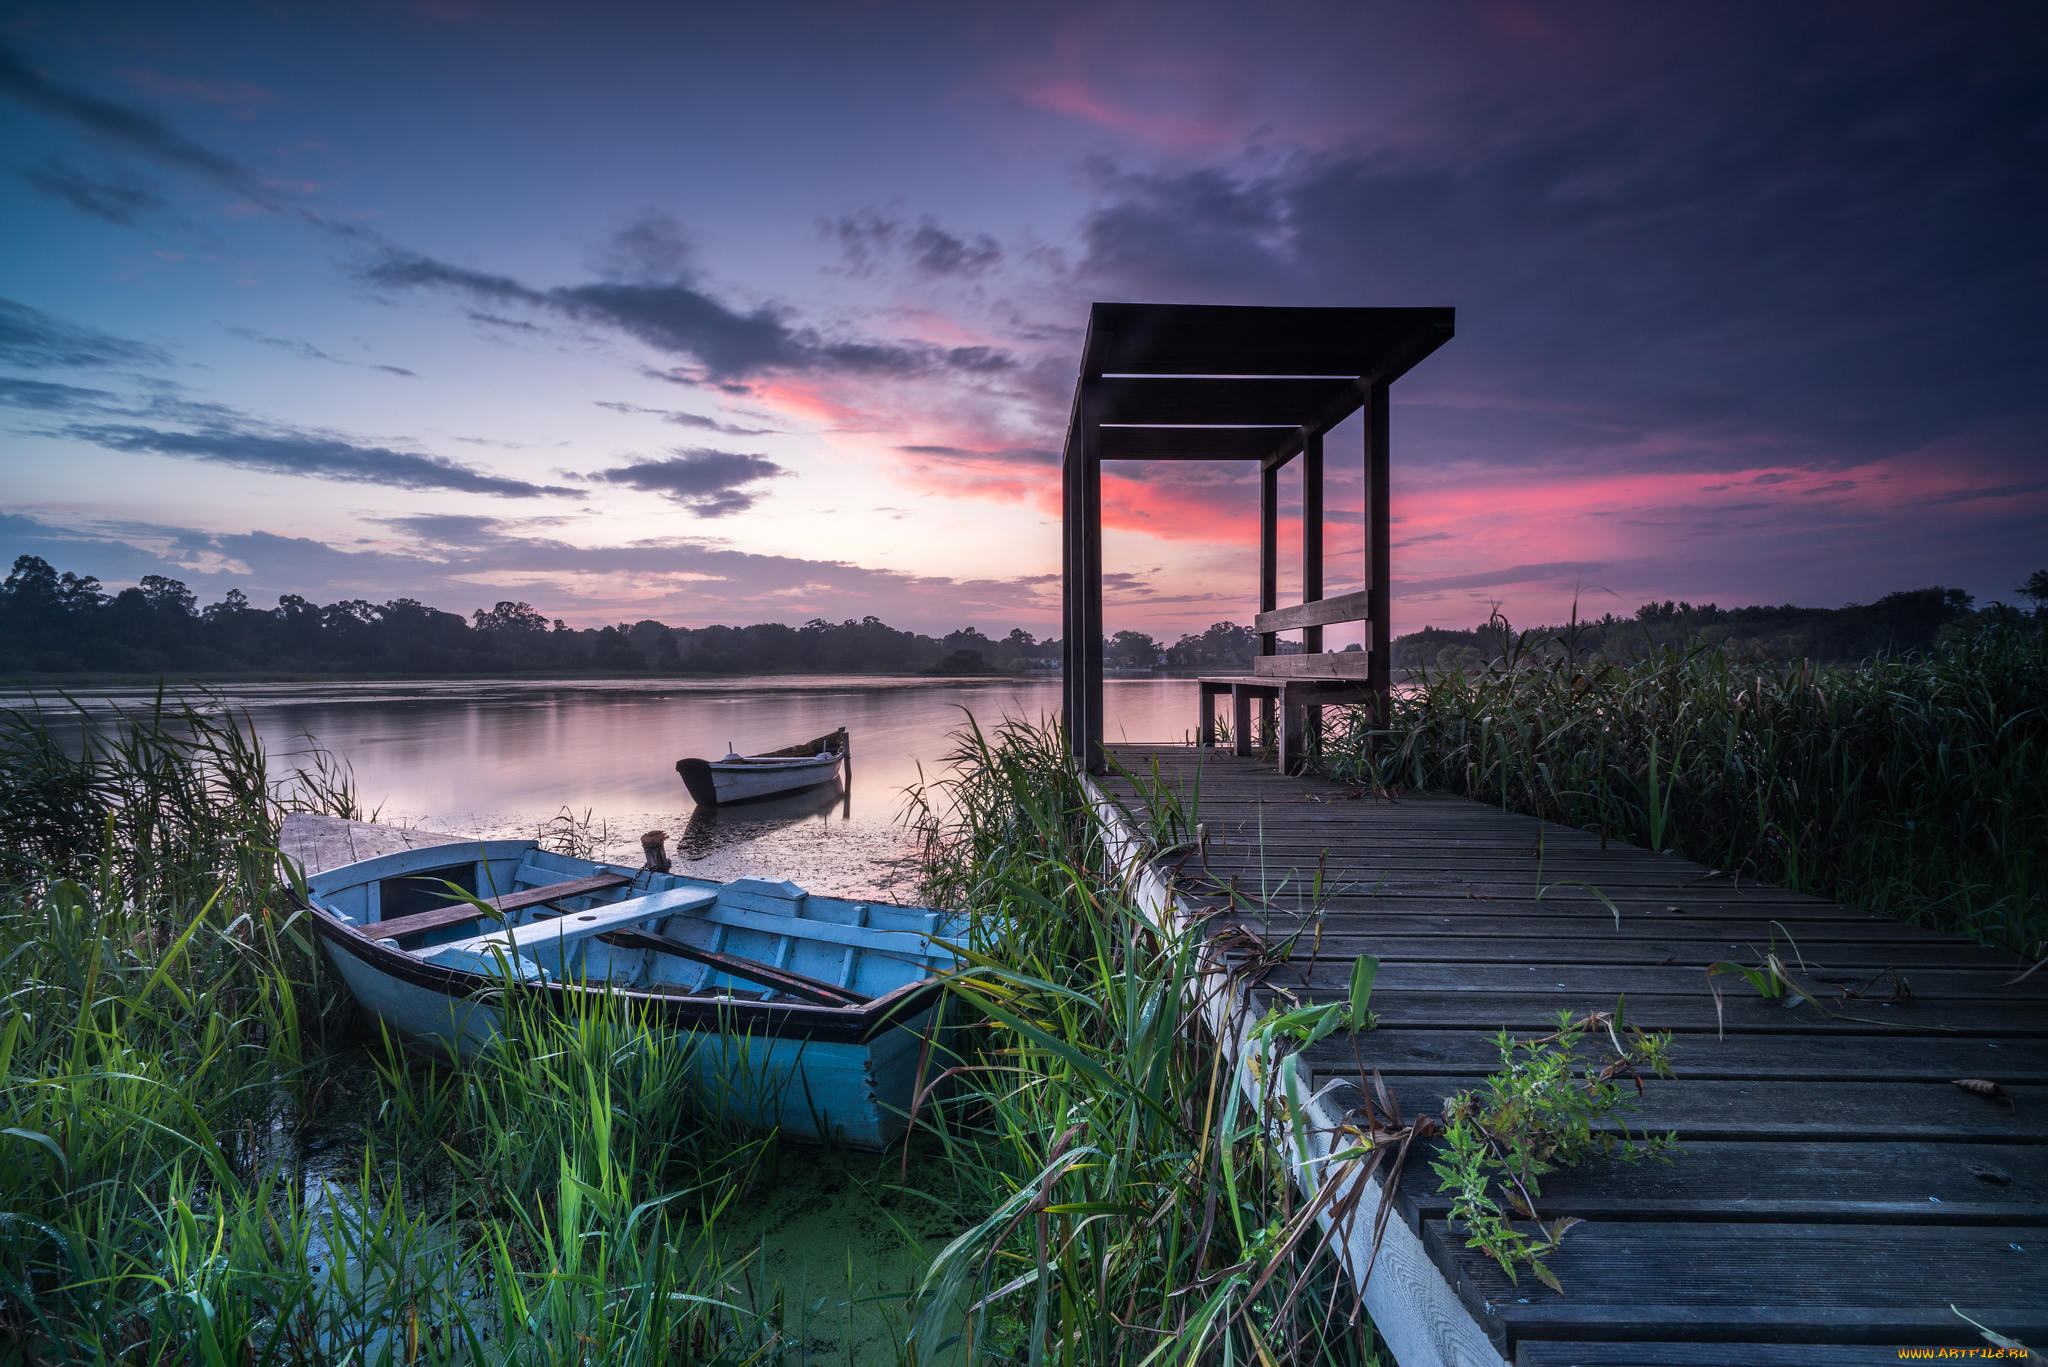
(1205, 734)
(1291, 751)
(1241, 721)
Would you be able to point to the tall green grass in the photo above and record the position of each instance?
(1132, 1209)
(1916, 787)
(206, 1157)
(164, 1089)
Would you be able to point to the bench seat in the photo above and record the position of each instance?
(1291, 696)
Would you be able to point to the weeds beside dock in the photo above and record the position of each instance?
(1137, 1209)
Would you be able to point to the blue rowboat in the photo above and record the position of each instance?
(818, 1013)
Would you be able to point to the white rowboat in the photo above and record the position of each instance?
(743, 778)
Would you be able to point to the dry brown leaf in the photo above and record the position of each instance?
(1667, 961)
(1989, 1090)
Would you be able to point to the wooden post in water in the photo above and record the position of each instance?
(653, 848)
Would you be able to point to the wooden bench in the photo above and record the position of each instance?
(1299, 686)
(1293, 697)
(461, 913)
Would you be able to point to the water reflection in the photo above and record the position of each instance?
(711, 829)
(499, 758)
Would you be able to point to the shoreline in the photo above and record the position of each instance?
(176, 681)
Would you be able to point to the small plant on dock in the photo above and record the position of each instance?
(1545, 1109)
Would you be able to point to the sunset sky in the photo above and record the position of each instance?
(770, 312)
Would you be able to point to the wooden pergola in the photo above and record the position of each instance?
(1216, 382)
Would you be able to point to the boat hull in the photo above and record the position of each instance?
(838, 1073)
(749, 778)
(753, 781)
(834, 1084)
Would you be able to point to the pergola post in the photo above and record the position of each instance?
(1379, 557)
(1311, 567)
(1269, 570)
(1070, 590)
(1081, 648)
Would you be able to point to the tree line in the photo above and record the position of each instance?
(1911, 621)
(59, 623)
(53, 622)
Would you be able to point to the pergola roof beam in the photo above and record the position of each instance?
(1218, 339)
(1238, 402)
(1192, 443)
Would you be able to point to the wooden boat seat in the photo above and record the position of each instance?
(460, 913)
(584, 925)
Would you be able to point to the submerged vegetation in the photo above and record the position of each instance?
(1915, 786)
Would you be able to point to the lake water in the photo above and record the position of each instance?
(505, 758)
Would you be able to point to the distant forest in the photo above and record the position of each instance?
(1896, 624)
(65, 623)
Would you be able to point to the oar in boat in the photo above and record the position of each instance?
(781, 979)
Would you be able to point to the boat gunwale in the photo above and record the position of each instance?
(725, 1015)
(774, 761)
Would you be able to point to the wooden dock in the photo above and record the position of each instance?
(1837, 1192)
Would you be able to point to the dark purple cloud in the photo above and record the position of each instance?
(288, 451)
(868, 240)
(677, 315)
(708, 483)
(165, 423)
(300, 347)
(123, 125)
(35, 340)
(52, 398)
(670, 415)
(1719, 242)
(123, 202)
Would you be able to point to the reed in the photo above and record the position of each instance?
(1129, 1208)
(173, 1065)
(1916, 787)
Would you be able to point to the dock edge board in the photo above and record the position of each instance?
(1415, 1310)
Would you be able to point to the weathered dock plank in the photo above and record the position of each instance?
(1836, 1193)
